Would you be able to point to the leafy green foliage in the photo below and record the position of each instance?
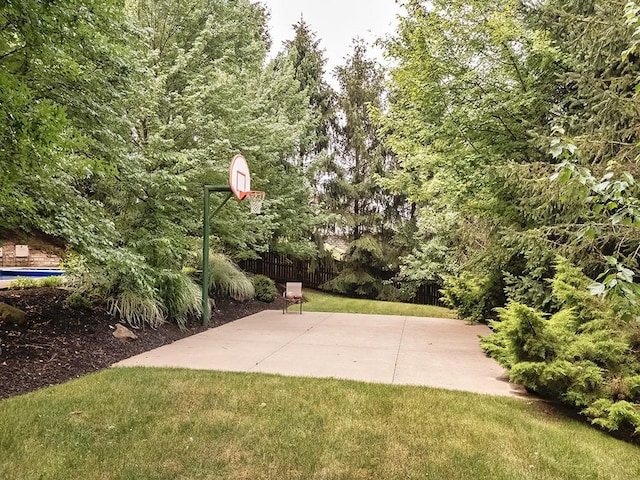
(125, 280)
(265, 288)
(615, 213)
(65, 71)
(78, 302)
(474, 297)
(113, 116)
(470, 97)
(597, 82)
(611, 415)
(583, 355)
(30, 282)
(363, 269)
(595, 139)
(210, 96)
(431, 258)
(53, 281)
(134, 290)
(182, 298)
(492, 103)
(227, 279)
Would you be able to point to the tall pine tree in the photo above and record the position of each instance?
(362, 212)
(309, 62)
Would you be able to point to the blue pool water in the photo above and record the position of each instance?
(13, 273)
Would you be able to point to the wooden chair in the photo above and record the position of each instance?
(292, 294)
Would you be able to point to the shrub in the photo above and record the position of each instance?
(475, 298)
(28, 282)
(142, 293)
(124, 280)
(52, 281)
(265, 288)
(582, 356)
(78, 302)
(23, 283)
(611, 415)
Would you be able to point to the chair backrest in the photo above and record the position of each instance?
(293, 289)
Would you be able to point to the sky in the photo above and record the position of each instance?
(335, 22)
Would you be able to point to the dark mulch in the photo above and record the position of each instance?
(58, 343)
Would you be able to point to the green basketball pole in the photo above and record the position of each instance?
(240, 186)
(205, 245)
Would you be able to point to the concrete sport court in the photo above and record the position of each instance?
(434, 352)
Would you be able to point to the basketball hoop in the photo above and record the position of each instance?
(255, 201)
(240, 186)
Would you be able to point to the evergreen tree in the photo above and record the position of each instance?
(362, 212)
(471, 97)
(309, 63)
(595, 135)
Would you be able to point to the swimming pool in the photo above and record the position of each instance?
(15, 272)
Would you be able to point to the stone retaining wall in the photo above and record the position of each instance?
(12, 255)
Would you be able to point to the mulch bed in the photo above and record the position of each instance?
(58, 343)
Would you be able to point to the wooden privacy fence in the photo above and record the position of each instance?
(315, 273)
(428, 294)
(282, 269)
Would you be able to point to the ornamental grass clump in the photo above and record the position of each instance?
(181, 297)
(136, 309)
(124, 280)
(226, 279)
(583, 355)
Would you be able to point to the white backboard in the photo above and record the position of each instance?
(239, 177)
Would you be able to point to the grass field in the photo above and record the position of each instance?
(135, 423)
(317, 301)
(174, 424)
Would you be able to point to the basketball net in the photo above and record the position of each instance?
(255, 201)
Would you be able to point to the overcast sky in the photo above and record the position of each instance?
(336, 23)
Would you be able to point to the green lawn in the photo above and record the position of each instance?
(175, 424)
(326, 302)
